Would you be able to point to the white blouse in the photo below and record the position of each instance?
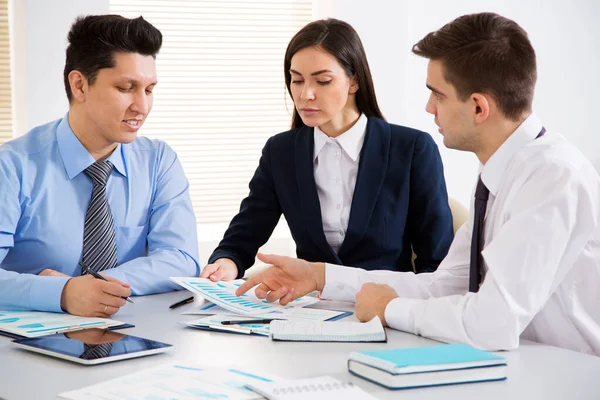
(335, 163)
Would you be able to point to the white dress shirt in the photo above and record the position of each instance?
(335, 163)
(541, 257)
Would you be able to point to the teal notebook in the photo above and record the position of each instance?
(427, 366)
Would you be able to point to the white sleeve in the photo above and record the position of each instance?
(548, 223)
(451, 277)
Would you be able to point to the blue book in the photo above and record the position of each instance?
(444, 364)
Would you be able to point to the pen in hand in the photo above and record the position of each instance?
(98, 276)
(182, 302)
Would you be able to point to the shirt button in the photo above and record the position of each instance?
(337, 153)
(338, 206)
(341, 233)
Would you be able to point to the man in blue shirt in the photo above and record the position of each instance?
(86, 190)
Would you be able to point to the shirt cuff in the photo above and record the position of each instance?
(341, 283)
(46, 293)
(399, 315)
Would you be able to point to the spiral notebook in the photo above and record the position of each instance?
(325, 331)
(321, 388)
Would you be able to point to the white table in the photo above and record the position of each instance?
(534, 371)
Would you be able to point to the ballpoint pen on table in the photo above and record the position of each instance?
(182, 302)
(98, 276)
(248, 321)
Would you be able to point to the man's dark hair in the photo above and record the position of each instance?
(485, 53)
(94, 39)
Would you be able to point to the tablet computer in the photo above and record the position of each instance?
(93, 346)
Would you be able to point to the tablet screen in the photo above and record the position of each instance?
(93, 345)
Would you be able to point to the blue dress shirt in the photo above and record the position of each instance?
(44, 196)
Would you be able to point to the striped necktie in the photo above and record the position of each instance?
(99, 245)
(95, 351)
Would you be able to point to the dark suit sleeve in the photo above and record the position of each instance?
(254, 224)
(429, 218)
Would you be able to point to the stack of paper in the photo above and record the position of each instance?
(214, 323)
(223, 301)
(223, 295)
(315, 314)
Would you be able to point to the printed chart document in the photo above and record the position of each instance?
(38, 323)
(214, 323)
(316, 314)
(223, 294)
(175, 381)
(317, 331)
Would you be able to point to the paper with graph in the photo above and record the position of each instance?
(38, 323)
(223, 295)
(215, 323)
(315, 314)
(174, 381)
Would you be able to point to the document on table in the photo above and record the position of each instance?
(38, 323)
(223, 294)
(315, 314)
(175, 381)
(214, 323)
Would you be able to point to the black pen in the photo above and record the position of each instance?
(98, 276)
(182, 302)
(248, 321)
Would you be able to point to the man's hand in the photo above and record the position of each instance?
(91, 297)
(223, 269)
(371, 301)
(286, 280)
(51, 272)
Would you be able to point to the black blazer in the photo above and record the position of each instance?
(400, 203)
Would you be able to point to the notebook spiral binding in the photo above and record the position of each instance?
(313, 388)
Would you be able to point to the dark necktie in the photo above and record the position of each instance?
(99, 245)
(481, 197)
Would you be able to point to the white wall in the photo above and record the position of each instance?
(39, 39)
(565, 35)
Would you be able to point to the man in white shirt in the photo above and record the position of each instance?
(538, 248)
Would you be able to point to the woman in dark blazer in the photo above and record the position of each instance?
(354, 189)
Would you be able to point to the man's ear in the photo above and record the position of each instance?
(482, 105)
(79, 85)
(353, 85)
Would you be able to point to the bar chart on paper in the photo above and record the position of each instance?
(315, 314)
(223, 294)
(174, 381)
(39, 323)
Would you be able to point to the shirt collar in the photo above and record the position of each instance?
(351, 141)
(493, 170)
(75, 156)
